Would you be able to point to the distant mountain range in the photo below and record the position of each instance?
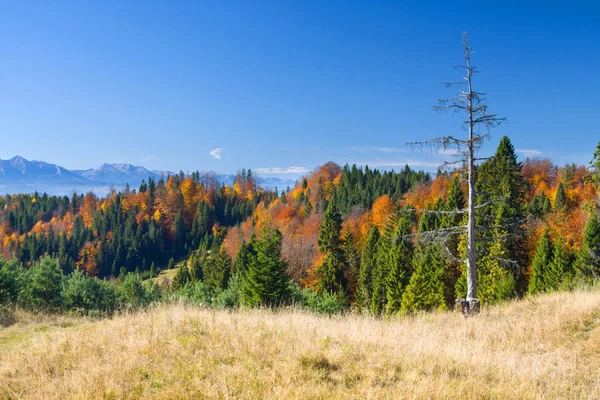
(19, 175)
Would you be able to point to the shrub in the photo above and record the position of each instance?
(89, 295)
(230, 297)
(41, 286)
(134, 293)
(325, 303)
(10, 275)
(196, 293)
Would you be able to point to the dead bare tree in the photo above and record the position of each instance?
(478, 123)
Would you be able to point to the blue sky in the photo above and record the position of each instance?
(284, 86)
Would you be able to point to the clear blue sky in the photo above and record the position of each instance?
(282, 84)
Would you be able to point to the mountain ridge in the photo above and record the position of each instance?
(21, 175)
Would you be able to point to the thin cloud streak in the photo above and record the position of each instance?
(279, 170)
(529, 152)
(216, 153)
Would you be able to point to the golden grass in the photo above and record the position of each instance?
(548, 347)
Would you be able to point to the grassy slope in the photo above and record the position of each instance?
(545, 348)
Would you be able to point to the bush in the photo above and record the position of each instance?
(89, 295)
(41, 286)
(230, 297)
(10, 275)
(325, 303)
(196, 293)
(134, 293)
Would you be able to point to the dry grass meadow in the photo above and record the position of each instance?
(543, 348)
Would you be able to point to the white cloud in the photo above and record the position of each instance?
(530, 152)
(279, 170)
(216, 153)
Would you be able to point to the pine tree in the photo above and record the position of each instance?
(496, 282)
(179, 233)
(541, 265)
(364, 289)
(331, 272)
(559, 268)
(217, 268)
(181, 278)
(266, 282)
(195, 267)
(383, 263)
(501, 196)
(428, 287)
(352, 261)
(560, 200)
(401, 254)
(595, 166)
(587, 264)
(243, 257)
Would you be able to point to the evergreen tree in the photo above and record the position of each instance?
(401, 254)
(428, 287)
(587, 264)
(560, 200)
(244, 256)
(559, 268)
(595, 166)
(352, 261)
(501, 198)
(217, 270)
(496, 281)
(181, 278)
(266, 281)
(41, 285)
(195, 267)
(179, 233)
(308, 208)
(332, 270)
(383, 263)
(542, 260)
(364, 289)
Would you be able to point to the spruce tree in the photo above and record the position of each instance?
(560, 200)
(401, 254)
(559, 268)
(181, 278)
(179, 233)
(455, 217)
(352, 261)
(195, 266)
(217, 269)
(243, 257)
(382, 266)
(501, 197)
(364, 289)
(587, 264)
(542, 259)
(595, 166)
(428, 287)
(266, 281)
(331, 272)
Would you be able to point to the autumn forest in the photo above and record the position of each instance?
(344, 238)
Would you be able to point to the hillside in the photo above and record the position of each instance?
(544, 347)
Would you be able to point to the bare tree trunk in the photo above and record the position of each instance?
(471, 247)
(478, 124)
